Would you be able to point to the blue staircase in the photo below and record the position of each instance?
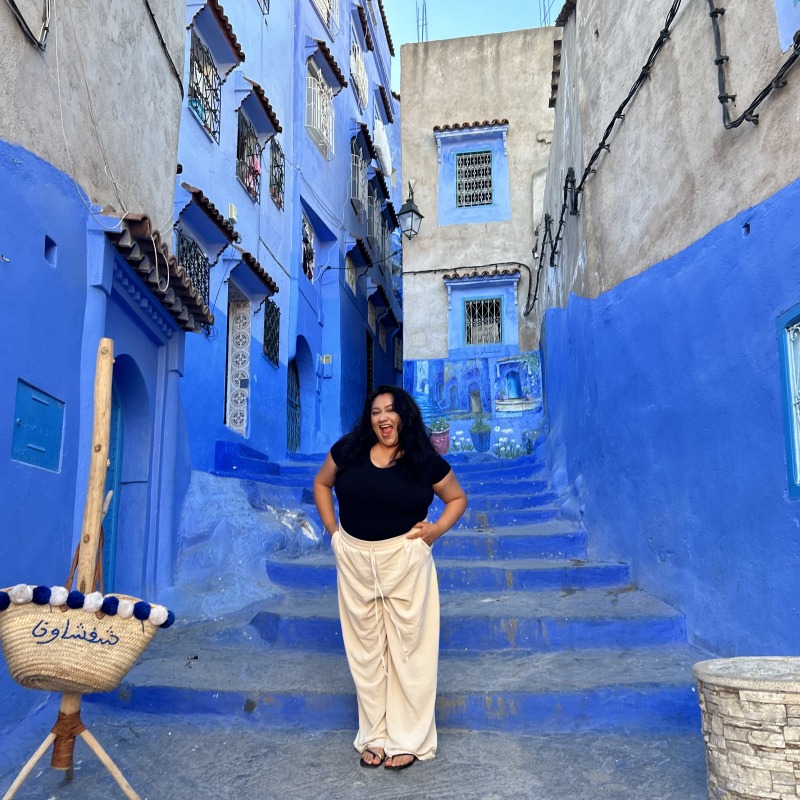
(535, 636)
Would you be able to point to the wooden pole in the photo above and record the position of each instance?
(96, 489)
(29, 765)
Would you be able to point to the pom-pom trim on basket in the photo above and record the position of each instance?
(23, 593)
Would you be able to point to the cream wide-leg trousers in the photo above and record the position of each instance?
(389, 609)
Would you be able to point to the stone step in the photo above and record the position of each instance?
(470, 622)
(561, 692)
(554, 539)
(477, 518)
(522, 500)
(317, 571)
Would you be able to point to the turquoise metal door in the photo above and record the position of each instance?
(113, 483)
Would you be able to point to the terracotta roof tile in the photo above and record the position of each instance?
(362, 15)
(224, 23)
(149, 257)
(386, 27)
(336, 69)
(480, 273)
(368, 139)
(463, 125)
(387, 302)
(266, 105)
(250, 260)
(212, 211)
(386, 104)
(380, 178)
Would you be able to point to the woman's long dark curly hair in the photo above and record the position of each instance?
(413, 441)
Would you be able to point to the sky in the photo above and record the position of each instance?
(450, 19)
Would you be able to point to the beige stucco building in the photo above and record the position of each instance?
(461, 94)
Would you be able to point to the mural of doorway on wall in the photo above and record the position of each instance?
(518, 383)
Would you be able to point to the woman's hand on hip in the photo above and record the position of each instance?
(429, 532)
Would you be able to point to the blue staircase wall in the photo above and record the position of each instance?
(667, 431)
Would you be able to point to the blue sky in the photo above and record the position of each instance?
(450, 19)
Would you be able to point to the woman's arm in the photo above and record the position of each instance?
(452, 495)
(323, 494)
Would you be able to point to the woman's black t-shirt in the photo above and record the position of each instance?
(376, 503)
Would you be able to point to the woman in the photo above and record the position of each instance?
(385, 473)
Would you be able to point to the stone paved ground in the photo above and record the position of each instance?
(183, 758)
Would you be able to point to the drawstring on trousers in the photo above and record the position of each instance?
(379, 590)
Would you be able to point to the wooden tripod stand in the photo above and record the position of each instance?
(69, 724)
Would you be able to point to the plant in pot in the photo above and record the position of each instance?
(480, 432)
(440, 435)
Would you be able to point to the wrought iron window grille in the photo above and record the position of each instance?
(358, 179)
(308, 249)
(483, 321)
(205, 87)
(474, 179)
(277, 172)
(272, 331)
(319, 111)
(358, 72)
(329, 11)
(192, 258)
(248, 158)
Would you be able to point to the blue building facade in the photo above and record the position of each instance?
(287, 135)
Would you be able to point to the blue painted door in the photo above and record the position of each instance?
(113, 483)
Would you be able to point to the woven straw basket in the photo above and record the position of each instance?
(59, 649)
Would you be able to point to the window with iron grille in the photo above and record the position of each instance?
(474, 179)
(277, 172)
(329, 10)
(272, 331)
(483, 321)
(358, 178)
(382, 336)
(205, 87)
(398, 353)
(308, 248)
(350, 274)
(372, 315)
(319, 110)
(248, 157)
(192, 258)
(358, 71)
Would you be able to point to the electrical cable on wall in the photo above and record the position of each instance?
(41, 40)
(572, 192)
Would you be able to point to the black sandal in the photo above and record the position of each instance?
(374, 764)
(401, 766)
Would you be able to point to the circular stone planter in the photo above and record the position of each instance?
(751, 725)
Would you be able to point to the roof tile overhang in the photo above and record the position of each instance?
(386, 27)
(249, 260)
(270, 117)
(456, 126)
(361, 246)
(367, 136)
(209, 210)
(329, 62)
(149, 257)
(223, 29)
(379, 179)
(387, 106)
(362, 15)
(565, 13)
(480, 273)
(380, 294)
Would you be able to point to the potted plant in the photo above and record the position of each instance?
(440, 435)
(480, 433)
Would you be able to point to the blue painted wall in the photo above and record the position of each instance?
(65, 287)
(320, 317)
(666, 429)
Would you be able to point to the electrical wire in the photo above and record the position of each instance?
(164, 46)
(41, 40)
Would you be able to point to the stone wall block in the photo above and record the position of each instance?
(749, 708)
